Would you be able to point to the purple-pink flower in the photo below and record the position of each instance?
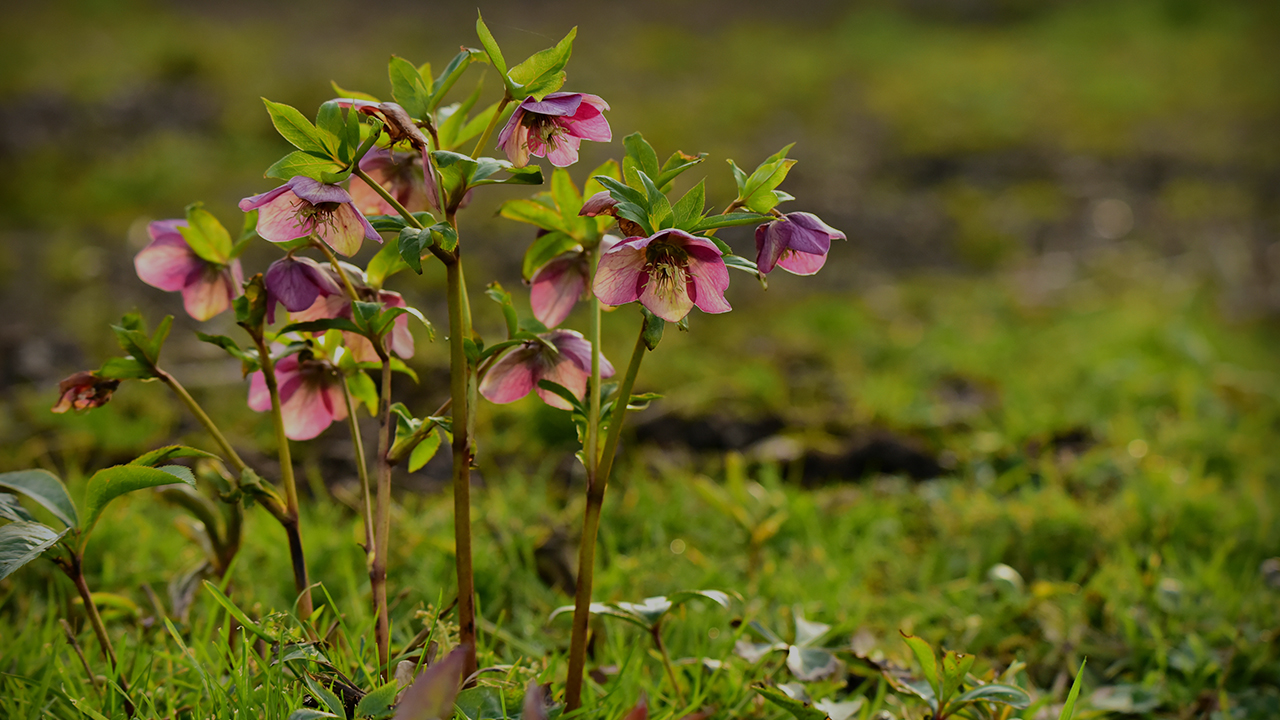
(400, 340)
(310, 395)
(556, 287)
(553, 127)
(304, 206)
(84, 391)
(669, 273)
(400, 174)
(170, 264)
(797, 243)
(561, 356)
(296, 283)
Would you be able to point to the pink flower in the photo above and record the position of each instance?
(304, 206)
(310, 395)
(553, 127)
(563, 357)
(170, 264)
(84, 391)
(797, 243)
(669, 273)
(602, 203)
(556, 287)
(297, 282)
(399, 173)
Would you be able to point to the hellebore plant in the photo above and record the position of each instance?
(404, 165)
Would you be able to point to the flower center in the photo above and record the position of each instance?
(545, 128)
(319, 213)
(667, 267)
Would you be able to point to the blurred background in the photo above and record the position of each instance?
(1026, 151)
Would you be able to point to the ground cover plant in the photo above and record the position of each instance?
(1028, 467)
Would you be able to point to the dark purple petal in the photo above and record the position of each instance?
(811, 222)
(556, 104)
(602, 203)
(316, 192)
(256, 201)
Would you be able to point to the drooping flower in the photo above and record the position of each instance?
(170, 264)
(562, 356)
(297, 282)
(557, 286)
(669, 273)
(400, 174)
(84, 391)
(602, 203)
(798, 243)
(554, 127)
(304, 206)
(310, 395)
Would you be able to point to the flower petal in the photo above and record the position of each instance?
(316, 192)
(168, 263)
(279, 221)
(563, 151)
(344, 231)
(555, 104)
(802, 263)
(307, 413)
(620, 274)
(589, 124)
(668, 300)
(512, 377)
(710, 279)
(210, 294)
(555, 289)
(573, 378)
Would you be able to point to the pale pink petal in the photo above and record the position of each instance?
(577, 349)
(279, 221)
(362, 351)
(209, 295)
(589, 124)
(555, 289)
(516, 143)
(564, 151)
(332, 306)
(566, 373)
(620, 274)
(668, 299)
(259, 397)
(287, 379)
(801, 263)
(366, 199)
(307, 413)
(168, 263)
(400, 341)
(710, 279)
(344, 231)
(512, 377)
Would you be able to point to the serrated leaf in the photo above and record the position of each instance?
(378, 703)
(408, 88)
(46, 489)
(541, 74)
(110, 483)
(928, 661)
(675, 166)
(450, 75)
(688, 210)
(302, 163)
(565, 194)
(294, 127)
(24, 541)
(346, 94)
(641, 152)
(451, 126)
(534, 213)
(712, 222)
(491, 49)
(424, 451)
(206, 236)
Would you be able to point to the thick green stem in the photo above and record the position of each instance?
(591, 527)
(391, 200)
(362, 469)
(382, 528)
(290, 520)
(460, 382)
(656, 632)
(493, 123)
(73, 570)
(203, 418)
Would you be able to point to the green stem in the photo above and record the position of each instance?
(73, 570)
(382, 528)
(290, 520)
(593, 388)
(656, 632)
(337, 267)
(203, 418)
(460, 382)
(591, 528)
(493, 122)
(391, 200)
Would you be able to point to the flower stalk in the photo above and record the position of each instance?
(382, 528)
(591, 528)
(461, 390)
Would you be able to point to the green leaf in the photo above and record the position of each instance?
(408, 88)
(124, 368)
(444, 236)
(378, 703)
(955, 666)
(712, 222)
(676, 165)
(485, 702)
(363, 390)
(165, 454)
(424, 451)
(295, 127)
(563, 393)
(452, 72)
(248, 358)
(310, 714)
(740, 263)
(410, 245)
(302, 163)
(322, 325)
(332, 128)
(809, 664)
(541, 74)
(476, 125)
(491, 48)
(206, 236)
(1069, 707)
(545, 249)
(495, 292)
(452, 124)
(24, 541)
(994, 693)
(534, 213)
(609, 169)
(110, 483)
(928, 662)
(641, 152)
(798, 708)
(565, 194)
(688, 211)
(46, 489)
(11, 509)
(384, 264)
(325, 696)
(238, 614)
(622, 192)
